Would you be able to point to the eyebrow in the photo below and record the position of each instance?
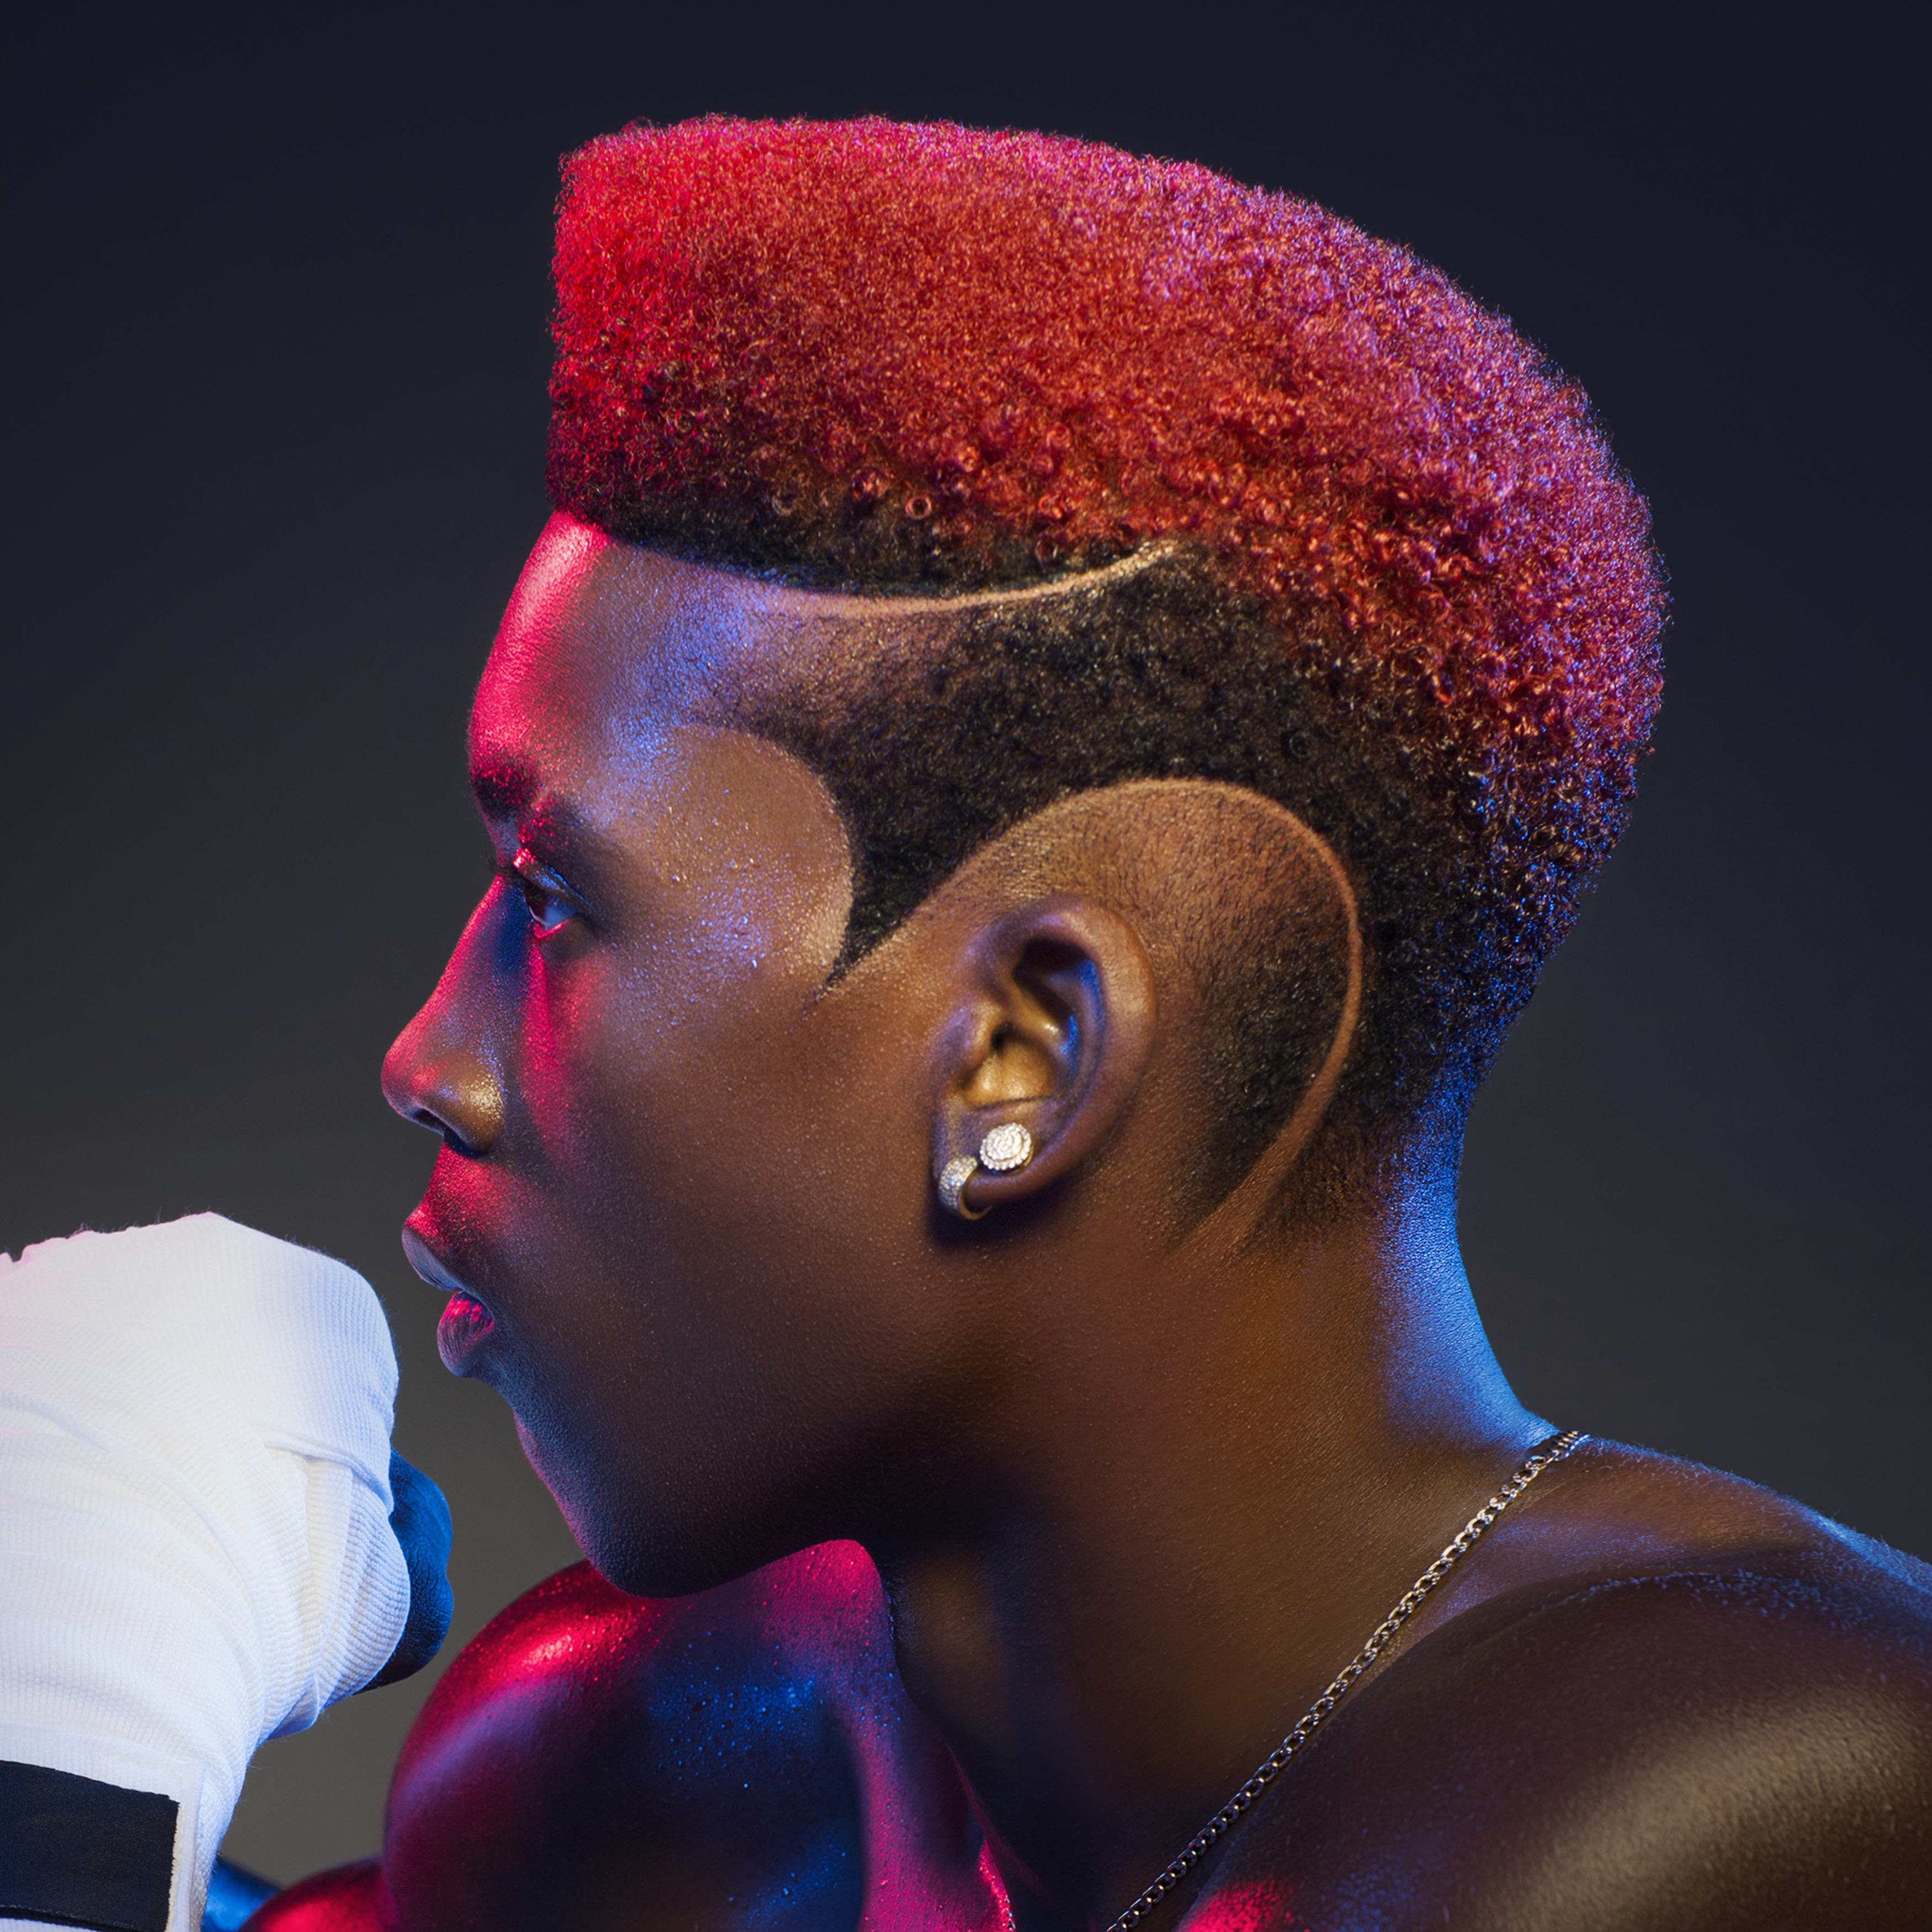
(506, 787)
(508, 790)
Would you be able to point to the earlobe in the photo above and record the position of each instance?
(1006, 1148)
(1051, 1034)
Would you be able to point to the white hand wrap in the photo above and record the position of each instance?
(195, 1549)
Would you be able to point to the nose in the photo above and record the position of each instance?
(441, 1073)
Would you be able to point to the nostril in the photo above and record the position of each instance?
(456, 1097)
(451, 1139)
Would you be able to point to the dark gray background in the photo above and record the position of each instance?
(275, 339)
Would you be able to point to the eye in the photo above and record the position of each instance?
(551, 907)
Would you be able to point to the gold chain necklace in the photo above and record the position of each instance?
(1312, 1720)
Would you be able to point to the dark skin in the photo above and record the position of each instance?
(741, 1757)
(1140, 1466)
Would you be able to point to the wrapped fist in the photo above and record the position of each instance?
(196, 1548)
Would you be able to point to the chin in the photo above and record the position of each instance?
(640, 1571)
(632, 1543)
(644, 1562)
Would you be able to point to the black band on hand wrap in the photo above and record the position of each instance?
(76, 1852)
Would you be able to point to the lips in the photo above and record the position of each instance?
(467, 1324)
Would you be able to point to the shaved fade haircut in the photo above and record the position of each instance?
(1396, 582)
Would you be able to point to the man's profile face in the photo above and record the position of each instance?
(675, 1168)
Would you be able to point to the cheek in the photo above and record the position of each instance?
(657, 1212)
(693, 1152)
(610, 1053)
(651, 1063)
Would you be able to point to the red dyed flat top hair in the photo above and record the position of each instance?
(872, 354)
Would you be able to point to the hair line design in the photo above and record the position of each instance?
(1381, 566)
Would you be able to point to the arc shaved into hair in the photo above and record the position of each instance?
(1243, 919)
(1402, 586)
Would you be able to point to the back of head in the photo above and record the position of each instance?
(1395, 581)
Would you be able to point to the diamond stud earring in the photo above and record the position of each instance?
(1008, 1146)
(1005, 1149)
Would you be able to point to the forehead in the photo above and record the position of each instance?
(605, 641)
(598, 643)
(607, 658)
(602, 737)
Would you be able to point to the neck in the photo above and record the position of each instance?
(1228, 1480)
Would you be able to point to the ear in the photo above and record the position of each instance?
(1051, 1027)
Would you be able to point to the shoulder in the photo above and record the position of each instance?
(737, 1758)
(1744, 1740)
(577, 1686)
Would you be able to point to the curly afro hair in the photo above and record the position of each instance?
(1413, 597)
